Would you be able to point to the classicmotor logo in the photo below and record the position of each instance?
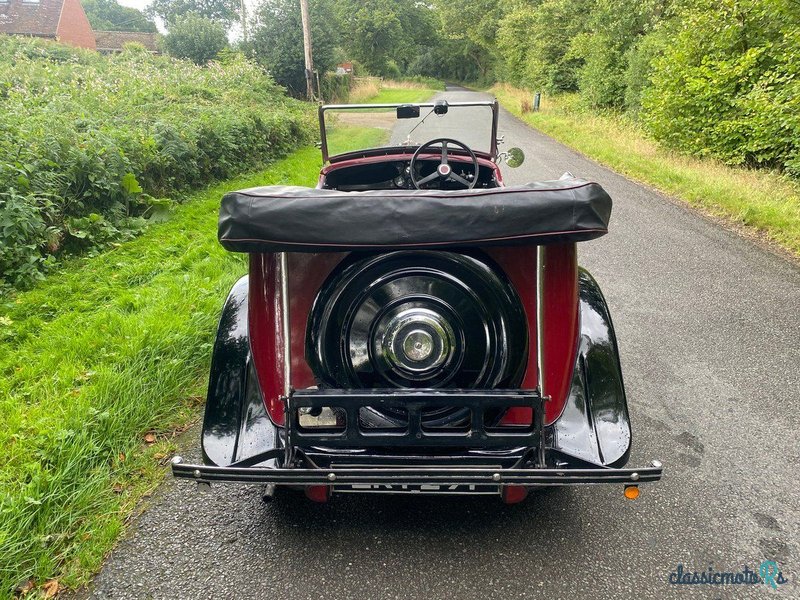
(768, 573)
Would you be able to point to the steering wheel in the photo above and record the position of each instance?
(444, 172)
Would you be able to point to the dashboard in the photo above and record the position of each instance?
(396, 174)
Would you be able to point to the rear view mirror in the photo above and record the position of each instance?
(515, 157)
(407, 111)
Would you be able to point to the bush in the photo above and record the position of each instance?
(733, 92)
(197, 38)
(89, 145)
(336, 88)
(276, 41)
(600, 78)
(639, 68)
(447, 60)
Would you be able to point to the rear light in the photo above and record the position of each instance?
(512, 494)
(318, 493)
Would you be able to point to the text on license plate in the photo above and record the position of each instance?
(420, 488)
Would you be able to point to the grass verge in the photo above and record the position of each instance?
(376, 91)
(764, 202)
(101, 364)
(346, 138)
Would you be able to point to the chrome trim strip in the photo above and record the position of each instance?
(540, 320)
(287, 353)
(539, 418)
(415, 475)
(285, 325)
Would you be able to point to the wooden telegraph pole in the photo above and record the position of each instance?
(307, 49)
(244, 19)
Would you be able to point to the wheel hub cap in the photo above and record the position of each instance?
(417, 341)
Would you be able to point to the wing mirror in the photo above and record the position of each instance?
(407, 111)
(514, 157)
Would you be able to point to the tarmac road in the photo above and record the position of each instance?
(708, 326)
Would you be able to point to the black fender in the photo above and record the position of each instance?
(236, 425)
(594, 426)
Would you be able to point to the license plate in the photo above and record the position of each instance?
(423, 488)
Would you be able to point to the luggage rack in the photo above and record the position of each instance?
(475, 434)
(385, 477)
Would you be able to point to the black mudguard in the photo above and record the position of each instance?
(236, 425)
(594, 426)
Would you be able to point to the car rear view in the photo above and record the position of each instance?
(433, 334)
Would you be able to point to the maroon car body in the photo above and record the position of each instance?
(412, 325)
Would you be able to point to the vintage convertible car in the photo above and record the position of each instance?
(412, 325)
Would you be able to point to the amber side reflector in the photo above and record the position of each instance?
(631, 492)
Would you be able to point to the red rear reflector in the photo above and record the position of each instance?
(318, 493)
(514, 493)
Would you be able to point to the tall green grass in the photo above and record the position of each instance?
(103, 357)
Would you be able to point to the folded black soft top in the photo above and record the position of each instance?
(299, 219)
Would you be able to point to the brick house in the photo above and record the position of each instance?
(60, 20)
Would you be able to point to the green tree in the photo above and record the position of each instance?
(107, 15)
(446, 59)
(728, 83)
(373, 31)
(170, 11)
(377, 33)
(614, 26)
(513, 42)
(534, 41)
(640, 65)
(197, 38)
(473, 23)
(276, 41)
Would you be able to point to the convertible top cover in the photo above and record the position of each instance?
(299, 219)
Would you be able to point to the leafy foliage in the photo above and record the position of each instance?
(612, 28)
(336, 88)
(277, 41)
(108, 15)
(197, 38)
(385, 36)
(90, 145)
(474, 24)
(733, 92)
(712, 78)
(171, 11)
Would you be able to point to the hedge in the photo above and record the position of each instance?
(92, 146)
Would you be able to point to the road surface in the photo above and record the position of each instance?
(708, 326)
